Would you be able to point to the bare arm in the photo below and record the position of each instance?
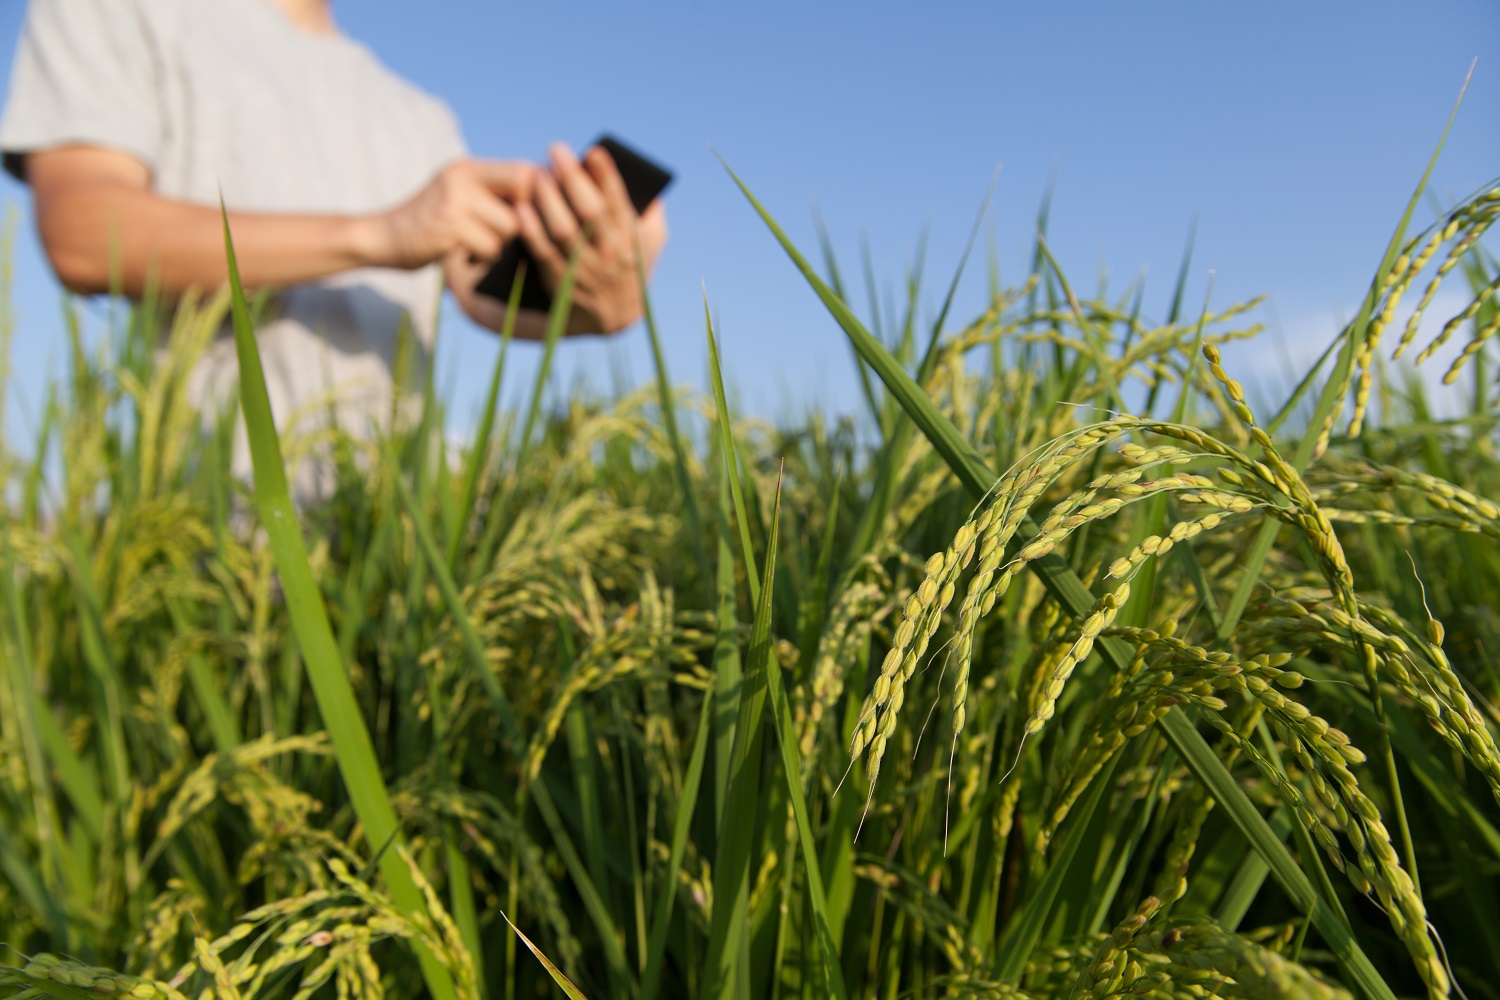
(96, 213)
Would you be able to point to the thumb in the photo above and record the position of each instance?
(461, 271)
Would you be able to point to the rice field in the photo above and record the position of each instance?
(1087, 678)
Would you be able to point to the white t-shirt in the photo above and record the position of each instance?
(230, 95)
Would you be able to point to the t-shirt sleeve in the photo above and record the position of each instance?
(84, 73)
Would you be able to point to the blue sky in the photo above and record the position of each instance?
(1294, 131)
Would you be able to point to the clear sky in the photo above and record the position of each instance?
(1294, 131)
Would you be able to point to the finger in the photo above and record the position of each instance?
(511, 179)
(582, 193)
(652, 230)
(496, 214)
(556, 214)
(479, 239)
(601, 167)
(462, 270)
(548, 257)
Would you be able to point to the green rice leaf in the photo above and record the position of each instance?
(1024, 933)
(1325, 915)
(728, 676)
(336, 702)
(479, 450)
(731, 456)
(831, 975)
(557, 324)
(661, 921)
(726, 969)
(562, 981)
(669, 424)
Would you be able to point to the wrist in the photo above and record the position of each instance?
(365, 240)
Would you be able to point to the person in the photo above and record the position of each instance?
(349, 191)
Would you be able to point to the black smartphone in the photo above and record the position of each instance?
(644, 181)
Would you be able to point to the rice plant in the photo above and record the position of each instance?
(1087, 679)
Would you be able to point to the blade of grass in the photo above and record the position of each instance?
(872, 291)
(639, 885)
(836, 279)
(30, 888)
(726, 969)
(1325, 913)
(336, 702)
(479, 453)
(1091, 335)
(781, 716)
(899, 433)
(460, 882)
(728, 677)
(669, 423)
(1301, 390)
(557, 323)
(78, 779)
(1126, 854)
(25, 696)
(109, 703)
(1153, 520)
(1023, 933)
(907, 344)
(216, 711)
(731, 455)
(838, 840)
(1182, 275)
(563, 983)
(812, 612)
(661, 922)
(1245, 886)
(115, 758)
(590, 816)
(930, 358)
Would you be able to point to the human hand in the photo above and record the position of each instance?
(469, 206)
(583, 208)
(463, 272)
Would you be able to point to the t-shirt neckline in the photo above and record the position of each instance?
(285, 20)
